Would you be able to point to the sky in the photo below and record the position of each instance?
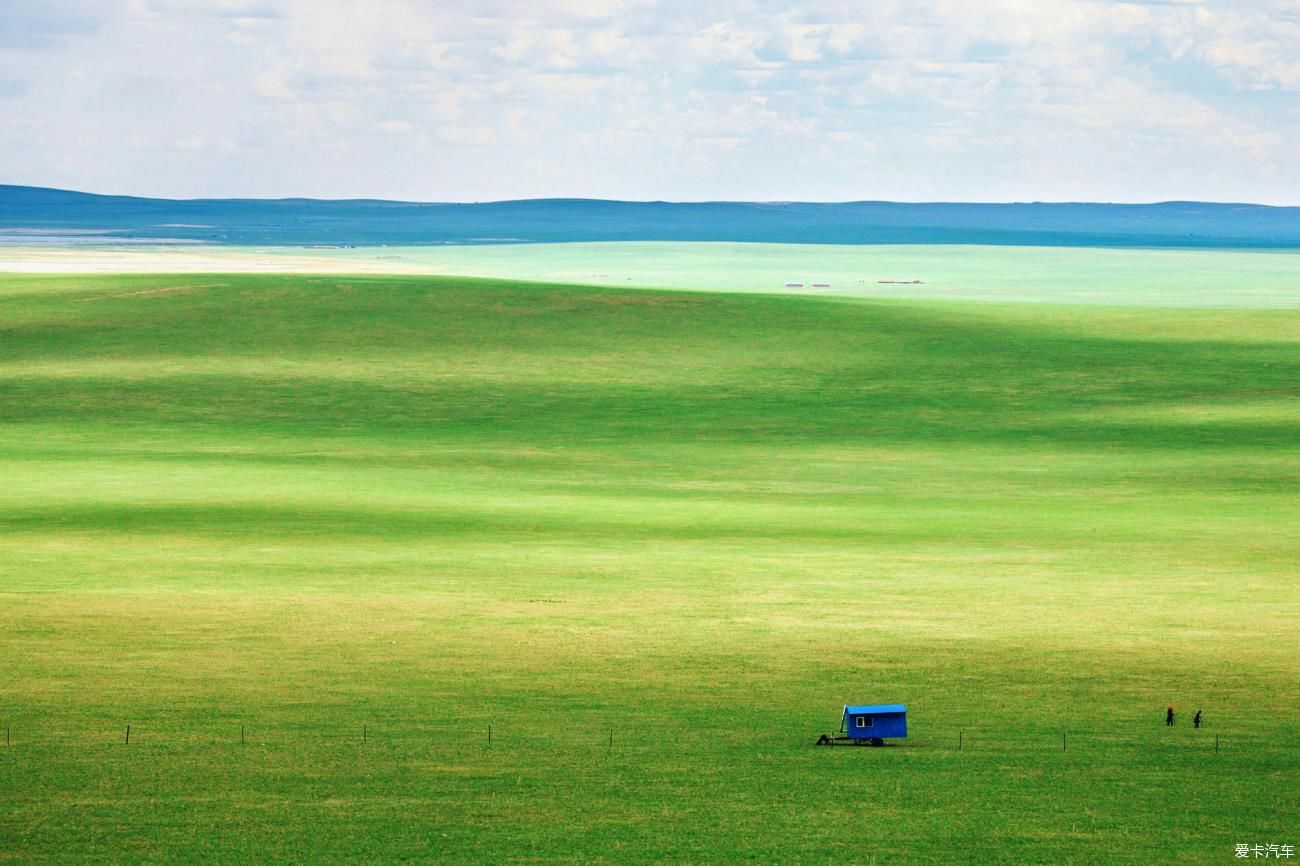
(824, 100)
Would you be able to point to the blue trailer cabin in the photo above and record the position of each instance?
(874, 722)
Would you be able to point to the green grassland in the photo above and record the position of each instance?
(1075, 275)
(655, 540)
(1211, 279)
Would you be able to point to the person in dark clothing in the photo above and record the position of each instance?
(1196, 719)
(1169, 716)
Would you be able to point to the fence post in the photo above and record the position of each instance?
(960, 734)
(128, 735)
(489, 735)
(1062, 741)
(241, 734)
(363, 733)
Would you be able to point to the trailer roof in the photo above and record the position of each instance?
(872, 709)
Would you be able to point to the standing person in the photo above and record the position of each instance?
(1196, 719)
(1169, 717)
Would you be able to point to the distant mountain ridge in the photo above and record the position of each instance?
(373, 222)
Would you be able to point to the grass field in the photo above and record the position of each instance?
(655, 540)
(1076, 275)
(1240, 279)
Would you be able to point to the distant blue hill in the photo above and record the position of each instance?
(299, 222)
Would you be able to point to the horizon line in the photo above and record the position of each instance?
(765, 202)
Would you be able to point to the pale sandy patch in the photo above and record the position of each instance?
(41, 260)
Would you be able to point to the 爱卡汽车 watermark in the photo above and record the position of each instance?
(1252, 852)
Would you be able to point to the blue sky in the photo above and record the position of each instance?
(998, 100)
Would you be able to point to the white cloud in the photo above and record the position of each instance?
(473, 135)
(738, 98)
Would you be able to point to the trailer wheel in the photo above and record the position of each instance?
(876, 741)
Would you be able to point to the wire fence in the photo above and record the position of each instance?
(629, 735)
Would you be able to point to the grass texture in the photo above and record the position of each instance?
(1074, 275)
(1210, 279)
(655, 540)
